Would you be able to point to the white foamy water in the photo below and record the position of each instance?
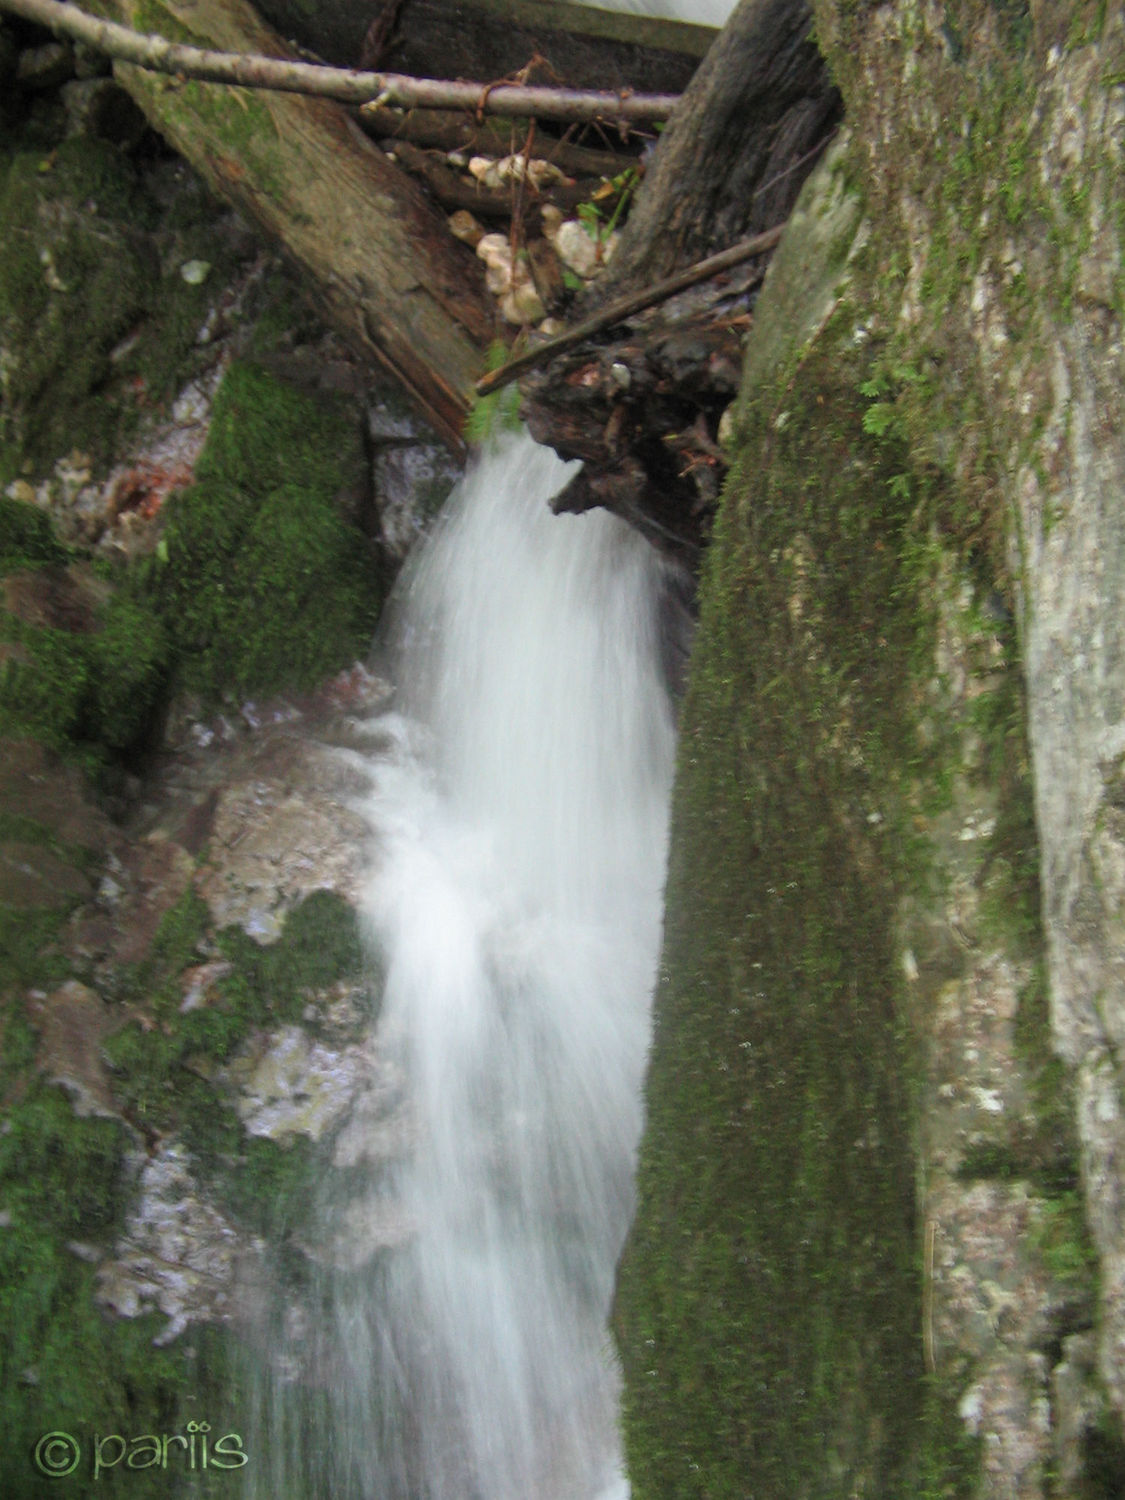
(516, 897)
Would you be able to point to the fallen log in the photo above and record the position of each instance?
(584, 47)
(370, 250)
(254, 70)
(460, 131)
(640, 402)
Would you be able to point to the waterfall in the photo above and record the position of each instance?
(519, 807)
(516, 897)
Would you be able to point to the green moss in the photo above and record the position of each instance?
(95, 332)
(44, 688)
(261, 583)
(1062, 1240)
(100, 688)
(319, 944)
(949, 1456)
(72, 285)
(154, 1068)
(27, 538)
(63, 1366)
(59, 1171)
(769, 1299)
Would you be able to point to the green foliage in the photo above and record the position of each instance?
(491, 415)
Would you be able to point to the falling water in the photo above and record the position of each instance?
(519, 805)
(516, 898)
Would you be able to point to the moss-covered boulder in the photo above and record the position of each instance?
(872, 1221)
(96, 321)
(260, 579)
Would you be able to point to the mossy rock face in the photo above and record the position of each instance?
(94, 317)
(903, 461)
(68, 1183)
(767, 1299)
(260, 581)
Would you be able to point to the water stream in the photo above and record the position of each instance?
(516, 896)
(519, 804)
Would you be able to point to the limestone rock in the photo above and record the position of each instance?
(73, 1022)
(285, 1084)
(178, 1255)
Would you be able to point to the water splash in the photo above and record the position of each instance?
(516, 898)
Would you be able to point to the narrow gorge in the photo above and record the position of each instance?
(327, 1051)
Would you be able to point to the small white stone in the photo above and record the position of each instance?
(989, 1100)
(577, 250)
(195, 272)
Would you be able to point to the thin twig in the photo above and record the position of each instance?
(346, 85)
(928, 1298)
(625, 307)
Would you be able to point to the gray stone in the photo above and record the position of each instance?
(178, 1255)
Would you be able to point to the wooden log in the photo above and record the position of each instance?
(371, 251)
(486, 39)
(728, 168)
(453, 130)
(256, 70)
(732, 160)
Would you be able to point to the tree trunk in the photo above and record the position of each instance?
(372, 251)
(486, 39)
(642, 406)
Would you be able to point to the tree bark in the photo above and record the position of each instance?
(346, 85)
(372, 252)
(641, 404)
(733, 158)
(586, 48)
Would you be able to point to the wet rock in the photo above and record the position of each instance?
(39, 786)
(97, 107)
(286, 1084)
(1077, 1408)
(72, 1022)
(34, 875)
(45, 67)
(359, 1233)
(178, 1255)
(411, 483)
(381, 1127)
(277, 837)
(55, 598)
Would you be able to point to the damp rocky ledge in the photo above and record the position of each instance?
(202, 503)
(879, 1248)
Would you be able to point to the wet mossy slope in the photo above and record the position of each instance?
(767, 1307)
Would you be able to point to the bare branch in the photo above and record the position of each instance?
(625, 307)
(346, 85)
